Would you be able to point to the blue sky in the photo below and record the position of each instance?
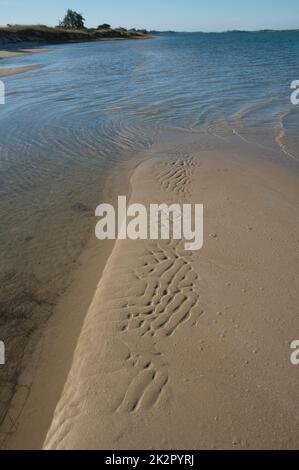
(180, 15)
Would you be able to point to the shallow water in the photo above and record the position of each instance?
(94, 105)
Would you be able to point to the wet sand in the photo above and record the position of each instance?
(5, 72)
(48, 356)
(13, 51)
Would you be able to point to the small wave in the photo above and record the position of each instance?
(280, 138)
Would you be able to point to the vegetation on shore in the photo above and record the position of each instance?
(40, 33)
(70, 29)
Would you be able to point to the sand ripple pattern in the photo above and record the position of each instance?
(168, 280)
(176, 177)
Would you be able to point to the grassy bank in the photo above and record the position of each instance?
(43, 34)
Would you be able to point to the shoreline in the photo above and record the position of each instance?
(13, 50)
(5, 48)
(8, 71)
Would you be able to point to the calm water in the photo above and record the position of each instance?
(92, 106)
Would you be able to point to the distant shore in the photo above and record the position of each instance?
(44, 35)
(18, 40)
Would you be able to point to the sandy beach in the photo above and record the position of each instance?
(193, 351)
(140, 344)
(177, 349)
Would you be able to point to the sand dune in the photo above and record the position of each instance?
(190, 350)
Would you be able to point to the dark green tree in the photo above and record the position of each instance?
(72, 20)
(104, 26)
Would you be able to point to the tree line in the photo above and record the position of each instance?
(75, 20)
